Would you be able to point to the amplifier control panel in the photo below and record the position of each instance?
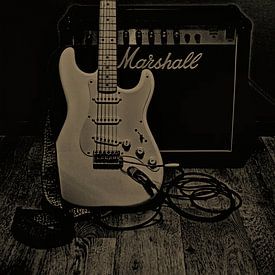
(175, 37)
(163, 37)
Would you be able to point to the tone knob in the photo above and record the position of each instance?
(140, 152)
(152, 162)
(126, 144)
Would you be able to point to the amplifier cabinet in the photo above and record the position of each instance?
(200, 113)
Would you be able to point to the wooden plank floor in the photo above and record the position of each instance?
(242, 244)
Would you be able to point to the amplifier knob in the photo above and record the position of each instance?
(198, 38)
(139, 37)
(151, 37)
(176, 37)
(187, 37)
(126, 38)
(164, 37)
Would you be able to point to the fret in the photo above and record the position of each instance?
(107, 75)
(103, 88)
(107, 85)
(104, 64)
(106, 33)
(110, 77)
(107, 3)
(102, 84)
(109, 25)
(106, 41)
(107, 20)
(106, 89)
(107, 28)
(107, 60)
(103, 80)
(104, 49)
(106, 56)
(111, 72)
(107, 46)
(108, 68)
(106, 52)
(104, 37)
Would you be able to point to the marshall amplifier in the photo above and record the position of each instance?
(200, 113)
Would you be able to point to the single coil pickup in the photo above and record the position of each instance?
(105, 141)
(106, 121)
(107, 160)
(107, 100)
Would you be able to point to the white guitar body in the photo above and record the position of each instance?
(84, 183)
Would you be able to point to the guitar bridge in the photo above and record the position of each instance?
(107, 160)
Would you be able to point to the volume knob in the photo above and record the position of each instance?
(126, 144)
(140, 152)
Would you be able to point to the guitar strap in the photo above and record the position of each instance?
(53, 224)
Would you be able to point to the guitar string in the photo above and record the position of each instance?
(98, 128)
(114, 66)
(110, 81)
(110, 78)
(102, 84)
(114, 69)
(117, 94)
(105, 84)
(99, 71)
(105, 61)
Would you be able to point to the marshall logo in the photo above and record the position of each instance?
(130, 61)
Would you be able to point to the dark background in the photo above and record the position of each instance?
(29, 39)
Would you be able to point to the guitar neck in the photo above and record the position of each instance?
(107, 47)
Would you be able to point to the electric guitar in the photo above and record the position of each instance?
(106, 154)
